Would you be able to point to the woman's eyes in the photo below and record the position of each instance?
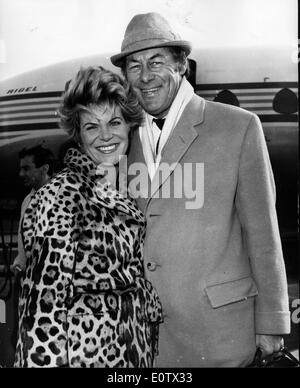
(115, 123)
(95, 128)
(91, 127)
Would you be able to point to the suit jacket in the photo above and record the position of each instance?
(214, 254)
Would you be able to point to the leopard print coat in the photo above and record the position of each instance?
(84, 299)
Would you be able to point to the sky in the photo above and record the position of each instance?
(35, 33)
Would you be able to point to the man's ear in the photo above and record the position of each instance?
(182, 68)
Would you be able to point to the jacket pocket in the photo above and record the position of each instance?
(232, 291)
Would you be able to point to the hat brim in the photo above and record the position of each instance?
(118, 59)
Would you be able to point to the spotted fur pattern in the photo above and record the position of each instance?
(84, 299)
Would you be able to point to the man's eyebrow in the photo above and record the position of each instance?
(131, 60)
(154, 56)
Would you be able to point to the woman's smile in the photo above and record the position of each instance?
(108, 149)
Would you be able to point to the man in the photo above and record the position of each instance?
(36, 168)
(216, 263)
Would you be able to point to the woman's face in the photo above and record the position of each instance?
(103, 133)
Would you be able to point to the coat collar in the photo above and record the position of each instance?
(97, 187)
(180, 140)
(183, 135)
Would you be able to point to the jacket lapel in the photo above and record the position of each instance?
(180, 140)
(136, 155)
(136, 150)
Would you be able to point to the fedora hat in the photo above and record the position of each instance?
(146, 31)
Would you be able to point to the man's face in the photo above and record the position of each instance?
(155, 77)
(32, 176)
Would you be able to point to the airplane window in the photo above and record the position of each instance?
(285, 101)
(227, 97)
(192, 76)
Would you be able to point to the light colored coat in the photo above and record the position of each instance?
(218, 269)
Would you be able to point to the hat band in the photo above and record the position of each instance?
(144, 43)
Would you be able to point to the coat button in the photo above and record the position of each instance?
(151, 266)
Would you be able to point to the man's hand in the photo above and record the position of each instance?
(268, 344)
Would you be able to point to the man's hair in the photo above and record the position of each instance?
(180, 57)
(41, 156)
(96, 85)
(178, 54)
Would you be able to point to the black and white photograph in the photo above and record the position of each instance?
(149, 193)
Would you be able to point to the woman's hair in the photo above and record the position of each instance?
(96, 85)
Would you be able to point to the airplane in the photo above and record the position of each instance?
(262, 80)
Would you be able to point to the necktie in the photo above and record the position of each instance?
(160, 124)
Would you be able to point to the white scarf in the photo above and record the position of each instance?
(183, 97)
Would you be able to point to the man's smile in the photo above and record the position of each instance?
(150, 92)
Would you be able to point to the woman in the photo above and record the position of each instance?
(85, 302)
